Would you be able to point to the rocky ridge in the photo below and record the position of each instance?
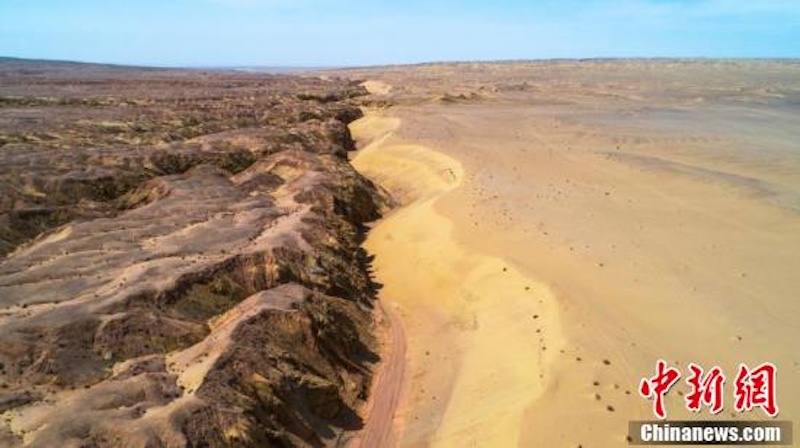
(181, 258)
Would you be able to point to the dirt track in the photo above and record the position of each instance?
(386, 388)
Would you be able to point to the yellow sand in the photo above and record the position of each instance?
(372, 128)
(659, 204)
(480, 334)
(376, 87)
(646, 263)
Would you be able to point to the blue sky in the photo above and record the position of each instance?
(366, 32)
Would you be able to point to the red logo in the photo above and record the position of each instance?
(754, 388)
(706, 390)
(658, 386)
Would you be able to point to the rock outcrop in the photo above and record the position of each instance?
(181, 258)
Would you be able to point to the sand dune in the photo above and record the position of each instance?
(468, 341)
(656, 205)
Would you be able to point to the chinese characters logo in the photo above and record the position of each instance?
(753, 388)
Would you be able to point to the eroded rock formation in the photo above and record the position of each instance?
(181, 258)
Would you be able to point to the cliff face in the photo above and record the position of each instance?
(182, 261)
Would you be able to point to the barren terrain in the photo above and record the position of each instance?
(181, 262)
(566, 224)
(185, 257)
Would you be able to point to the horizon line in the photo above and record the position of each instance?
(313, 67)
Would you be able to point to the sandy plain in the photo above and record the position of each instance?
(563, 225)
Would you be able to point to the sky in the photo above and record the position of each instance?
(336, 33)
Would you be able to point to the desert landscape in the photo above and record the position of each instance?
(565, 224)
(181, 258)
(450, 254)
